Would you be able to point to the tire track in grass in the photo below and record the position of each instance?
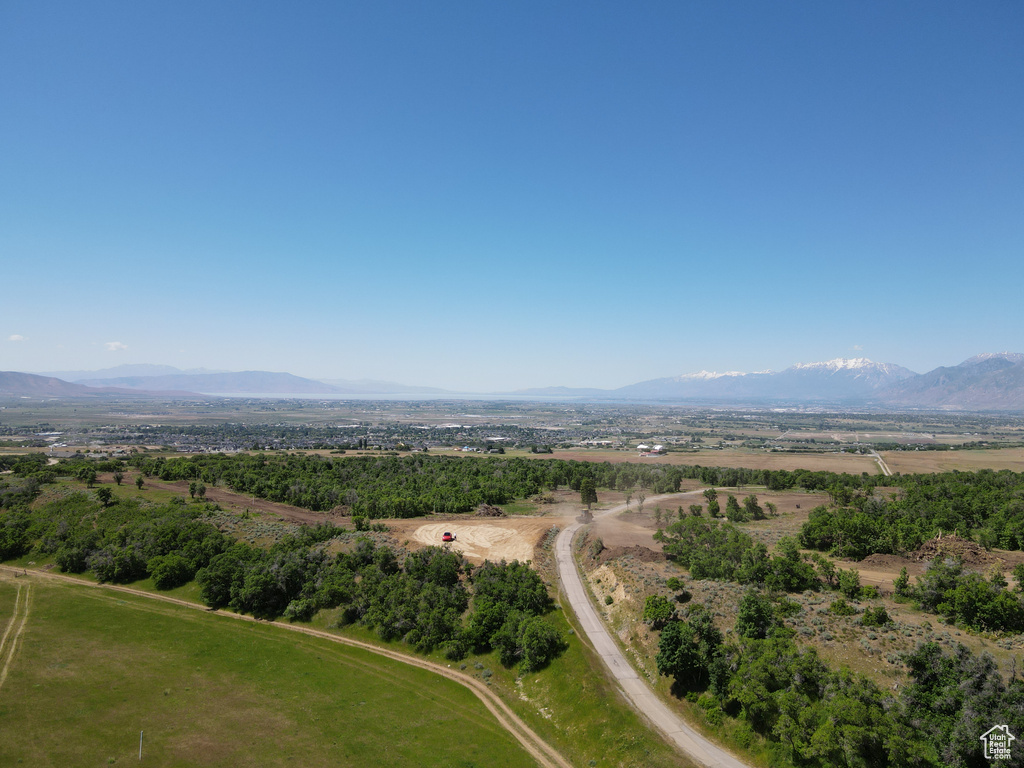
(535, 746)
(19, 616)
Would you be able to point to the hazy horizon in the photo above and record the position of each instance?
(486, 198)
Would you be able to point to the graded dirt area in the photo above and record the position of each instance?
(494, 539)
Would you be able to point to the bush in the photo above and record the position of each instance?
(875, 617)
(840, 607)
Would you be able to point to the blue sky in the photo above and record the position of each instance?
(486, 196)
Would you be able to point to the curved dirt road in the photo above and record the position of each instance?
(633, 686)
(536, 747)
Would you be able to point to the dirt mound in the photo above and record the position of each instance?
(891, 563)
(486, 510)
(643, 554)
(952, 545)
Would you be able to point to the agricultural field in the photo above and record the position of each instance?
(207, 690)
(908, 462)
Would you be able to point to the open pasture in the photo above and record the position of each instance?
(909, 462)
(96, 667)
(818, 462)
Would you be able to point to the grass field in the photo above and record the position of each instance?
(907, 462)
(751, 459)
(95, 668)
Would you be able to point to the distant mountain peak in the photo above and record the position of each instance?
(1012, 357)
(707, 375)
(838, 364)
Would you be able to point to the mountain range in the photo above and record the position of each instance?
(992, 381)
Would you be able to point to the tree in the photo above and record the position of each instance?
(192, 489)
(696, 510)
(657, 611)
(628, 496)
(588, 492)
(755, 616)
(104, 495)
(641, 497)
(711, 496)
(733, 512)
(138, 482)
(118, 477)
(678, 656)
(849, 583)
(201, 491)
(901, 584)
(688, 649)
(752, 508)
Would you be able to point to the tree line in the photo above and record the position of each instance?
(430, 599)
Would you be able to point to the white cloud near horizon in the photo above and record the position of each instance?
(15, 337)
(115, 346)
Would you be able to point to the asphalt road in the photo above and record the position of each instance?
(636, 690)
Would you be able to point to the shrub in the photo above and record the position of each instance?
(840, 607)
(875, 617)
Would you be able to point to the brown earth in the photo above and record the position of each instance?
(909, 462)
(643, 554)
(494, 539)
(831, 462)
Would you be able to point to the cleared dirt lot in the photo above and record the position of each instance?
(494, 539)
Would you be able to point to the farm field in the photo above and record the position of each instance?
(824, 462)
(207, 690)
(907, 462)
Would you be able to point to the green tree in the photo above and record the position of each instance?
(733, 511)
(849, 583)
(657, 611)
(755, 617)
(118, 477)
(752, 508)
(138, 482)
(901, 584)
(104, 495)
(588, 492)
(678, 655)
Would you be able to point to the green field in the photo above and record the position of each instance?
(94, 668)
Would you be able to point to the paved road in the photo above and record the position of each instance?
(633, 686)
(881, 464)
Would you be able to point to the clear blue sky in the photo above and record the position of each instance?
(498, 195)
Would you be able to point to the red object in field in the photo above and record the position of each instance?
(446, 536)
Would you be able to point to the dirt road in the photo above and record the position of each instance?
(539, 749)
(633, 686)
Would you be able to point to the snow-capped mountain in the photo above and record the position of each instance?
(832, 380)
